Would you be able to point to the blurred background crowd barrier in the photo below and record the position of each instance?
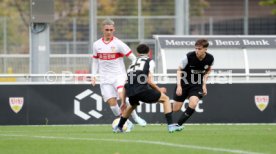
(136, 22)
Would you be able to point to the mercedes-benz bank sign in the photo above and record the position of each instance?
(95, 113)
(231, 41)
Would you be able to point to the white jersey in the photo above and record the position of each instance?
(110, 59)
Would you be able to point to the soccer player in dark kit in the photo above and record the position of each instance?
(192, 75)
(140, 87)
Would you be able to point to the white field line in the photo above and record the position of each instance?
(189, 124)
(195, 147)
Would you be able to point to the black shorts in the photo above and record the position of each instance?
(147, 96)
(188, 91)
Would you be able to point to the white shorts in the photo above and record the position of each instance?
(110, 90)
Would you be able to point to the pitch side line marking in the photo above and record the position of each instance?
(140, 141)
(189, 124)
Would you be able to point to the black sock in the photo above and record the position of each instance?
(185, 115)
(122, 122)
(168, 117)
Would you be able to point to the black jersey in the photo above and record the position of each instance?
(195, 69)
(137, 75)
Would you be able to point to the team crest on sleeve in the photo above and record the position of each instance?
(206, 66)
(261, 101)
(16, 103)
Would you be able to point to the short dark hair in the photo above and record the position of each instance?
(142, 49)
(202, 42)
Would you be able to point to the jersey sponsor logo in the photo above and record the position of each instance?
(261, 101)
(197, 71)
(206, 66)
(109, 56)
(16, 103)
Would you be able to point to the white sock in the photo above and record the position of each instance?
(116, 110)
(134, 114)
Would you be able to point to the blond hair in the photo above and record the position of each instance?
(108, 21)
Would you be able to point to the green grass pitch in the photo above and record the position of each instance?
(152, 139)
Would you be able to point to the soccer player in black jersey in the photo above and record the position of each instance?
(192, 75)
(140, 87)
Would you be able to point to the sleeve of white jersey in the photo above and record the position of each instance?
(132, 57)
(183, 63)
(124, 49)
(151, 66)
(213, 62)
(95, 63)
(94, 51)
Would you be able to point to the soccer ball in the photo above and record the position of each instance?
(116, 122)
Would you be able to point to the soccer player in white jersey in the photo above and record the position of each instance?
(108, 53)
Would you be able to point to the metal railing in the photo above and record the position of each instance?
(71, 78)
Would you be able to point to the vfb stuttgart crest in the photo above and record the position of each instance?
(261, 102)
(16, 103)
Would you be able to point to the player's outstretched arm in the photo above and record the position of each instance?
(95, 65)
(153, 85)
(179, 88)
(132, 57)
(205, 78)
